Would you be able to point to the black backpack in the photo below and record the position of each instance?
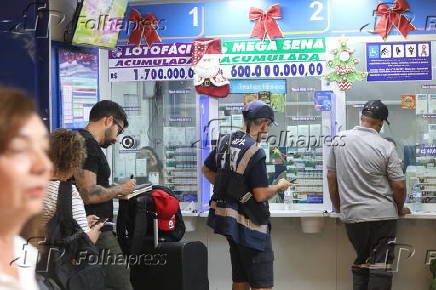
(69, 256)
(135, 223)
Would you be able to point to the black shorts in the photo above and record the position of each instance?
(252, 266)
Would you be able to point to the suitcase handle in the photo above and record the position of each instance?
(155, 231)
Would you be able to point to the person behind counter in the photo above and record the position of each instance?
(251, 251)
(25, 170)
(366, 184)
(107, 120)
(154, 166)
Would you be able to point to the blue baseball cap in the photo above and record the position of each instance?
(259, 109)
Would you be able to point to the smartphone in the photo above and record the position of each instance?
(292, 180)
(105, 223)
(101, 220)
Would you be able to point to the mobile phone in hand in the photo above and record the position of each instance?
(102, 220)
(105, 221)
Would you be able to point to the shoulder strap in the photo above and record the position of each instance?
(122, 218)
(217, 150)
(224, 150)
(140, 226)
(246, 158)
(64, 205)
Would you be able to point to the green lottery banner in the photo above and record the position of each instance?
(303, 57)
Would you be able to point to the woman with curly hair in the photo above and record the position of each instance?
(67, 152)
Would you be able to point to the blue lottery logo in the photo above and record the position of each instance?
(373, 51)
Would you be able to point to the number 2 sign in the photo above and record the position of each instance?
(228, 20)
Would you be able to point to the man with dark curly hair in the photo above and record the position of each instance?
(107, 120)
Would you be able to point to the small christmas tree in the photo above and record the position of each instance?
(343, 66)
(277, 157)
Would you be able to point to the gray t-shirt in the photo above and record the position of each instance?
(364, 165)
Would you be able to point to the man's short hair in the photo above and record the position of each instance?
(108, 108)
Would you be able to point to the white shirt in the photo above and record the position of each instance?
(27, 257)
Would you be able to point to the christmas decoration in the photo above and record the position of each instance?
(266, 22)
(208, 76)
(393, 17)
(145, 27)
(408, 102)
(277, 157)
(344, 55)
(343, 70)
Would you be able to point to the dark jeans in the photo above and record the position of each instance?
(117, 275)
(374, 243)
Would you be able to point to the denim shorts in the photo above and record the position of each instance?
(252, 266)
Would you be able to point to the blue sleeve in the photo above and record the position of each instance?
(210, 161)
(256, 171)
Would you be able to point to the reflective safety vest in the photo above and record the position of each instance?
(233, 216)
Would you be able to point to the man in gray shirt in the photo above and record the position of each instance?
(367, 188)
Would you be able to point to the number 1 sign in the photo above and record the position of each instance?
(176, 21)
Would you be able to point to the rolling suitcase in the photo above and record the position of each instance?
(171, 265)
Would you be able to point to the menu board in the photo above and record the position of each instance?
(78, 82)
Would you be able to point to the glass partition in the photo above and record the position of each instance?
(159, 145)
(293, 148)
(411, 128)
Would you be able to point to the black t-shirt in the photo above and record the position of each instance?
(96, 162)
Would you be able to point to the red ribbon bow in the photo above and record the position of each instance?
(145, 27)
(393, 17)
(266, 22)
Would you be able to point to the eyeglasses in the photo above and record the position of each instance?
(120, 128)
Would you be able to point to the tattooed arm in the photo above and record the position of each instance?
(92, 193)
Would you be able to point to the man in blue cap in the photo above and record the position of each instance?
(239, 208)
(366, 184)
